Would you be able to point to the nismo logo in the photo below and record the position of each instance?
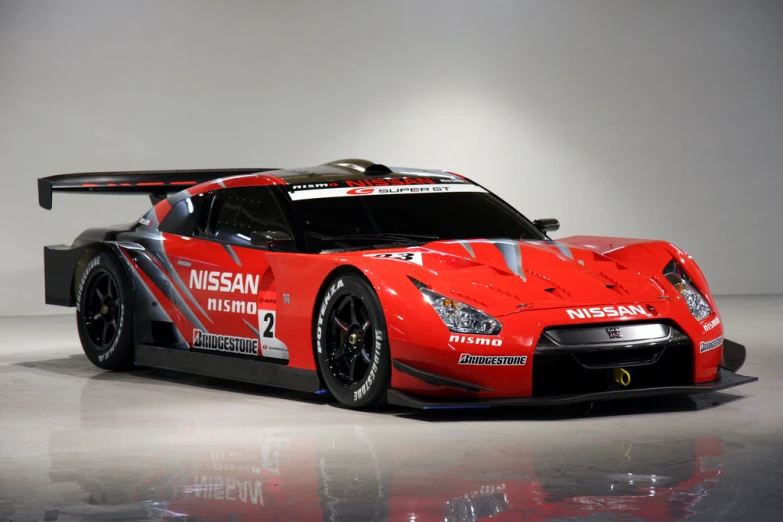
(472, 339)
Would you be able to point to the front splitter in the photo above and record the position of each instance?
(727, 379)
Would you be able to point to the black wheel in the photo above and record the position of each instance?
(104, 314)
(351, 343)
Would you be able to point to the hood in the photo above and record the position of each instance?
(504, 276)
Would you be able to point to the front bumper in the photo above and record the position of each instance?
(726, 379)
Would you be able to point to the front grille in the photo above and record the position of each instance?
(587, 367)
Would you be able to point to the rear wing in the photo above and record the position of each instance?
(156, 183)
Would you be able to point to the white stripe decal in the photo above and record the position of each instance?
(340, 192)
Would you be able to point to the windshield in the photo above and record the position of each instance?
(370, 221)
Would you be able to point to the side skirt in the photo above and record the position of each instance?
(224, 367)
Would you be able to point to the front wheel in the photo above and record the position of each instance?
(104, 314)
(351, 343)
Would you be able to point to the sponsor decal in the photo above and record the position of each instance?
(485, 489)
(614, 333)
(712, 324)
(493, 360)
(234, 307)
(429, 186)
(226, 488)
(145, 222)
(223, 282)
(500, 475)
(376, 182)
(413, 257)
(710, 463)
(328, 297)
(376, 359)
(92, 264)
(387, 182)
(224, 343)
(710, 345)
(606, 311)
(475, 339)
(314, 186)
(105, 355)
(271, 346)
(286, 298)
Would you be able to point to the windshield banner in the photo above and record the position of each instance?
(379, 187)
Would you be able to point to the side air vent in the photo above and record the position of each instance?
(163, 332)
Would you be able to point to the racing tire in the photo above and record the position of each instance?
(352, 346)
(104, 314)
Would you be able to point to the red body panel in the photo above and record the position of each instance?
(556, 279)
(419, 338)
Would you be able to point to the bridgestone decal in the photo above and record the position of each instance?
(376, 359)
(92, 264)
(224, 343)
(493, 360)
(711, 345)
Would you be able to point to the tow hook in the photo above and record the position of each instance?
(621, 376)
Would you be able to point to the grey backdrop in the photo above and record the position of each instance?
(658, 119)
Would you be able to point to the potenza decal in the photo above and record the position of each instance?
(711, 345)
(712, 324)
(224, 343)
(606, 311)
(493, 360)
(327, 297)
(472, 339)
(380, 187)
(413, 257)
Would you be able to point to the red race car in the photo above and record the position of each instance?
(413, 287)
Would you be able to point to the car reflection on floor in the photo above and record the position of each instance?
(210, 470)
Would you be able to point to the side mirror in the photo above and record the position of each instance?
(269, 237)
(547, 224)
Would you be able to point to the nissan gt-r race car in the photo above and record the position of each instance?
(381, 285)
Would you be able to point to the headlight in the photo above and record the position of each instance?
(460, 317)
(693, 298)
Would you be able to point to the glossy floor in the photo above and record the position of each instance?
(77, 443)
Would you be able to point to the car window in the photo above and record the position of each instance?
(237, 213)
(459, 215)
(188, 217)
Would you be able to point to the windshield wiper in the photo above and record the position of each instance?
(388, 239)
(415, 238)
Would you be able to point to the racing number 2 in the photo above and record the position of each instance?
(269, 321)
(271, 346)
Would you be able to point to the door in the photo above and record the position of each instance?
(229, 283)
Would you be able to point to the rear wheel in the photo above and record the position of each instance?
(351, 343)
(104, 314)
